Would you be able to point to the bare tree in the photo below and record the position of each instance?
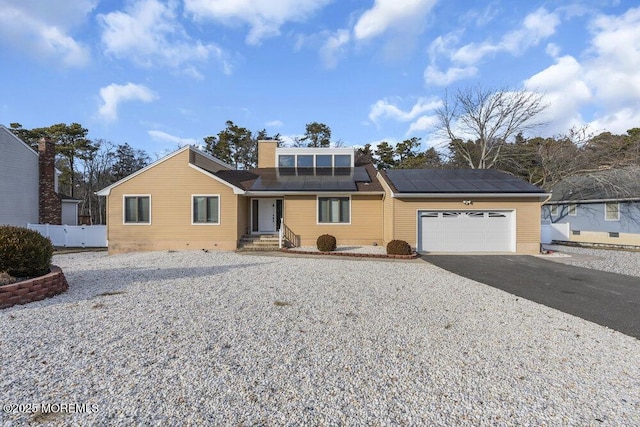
(487, 118)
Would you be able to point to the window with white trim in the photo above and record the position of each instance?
(334, 210)
(137, 209)
(572, 209)
(554, 210)
(612, 211)
(206, 209)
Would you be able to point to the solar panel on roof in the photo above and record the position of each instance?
(458, 181)
(291, 180)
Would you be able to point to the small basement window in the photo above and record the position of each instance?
(612, 212)
(614, 234)
(575, 232)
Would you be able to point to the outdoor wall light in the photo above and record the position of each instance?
(467, 202)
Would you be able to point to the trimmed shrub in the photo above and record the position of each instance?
(6, 278)
(326, 243)
(24, 252)
(398, 247)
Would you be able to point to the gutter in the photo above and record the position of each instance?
(310, 193)
(540, 196)
(566, 202)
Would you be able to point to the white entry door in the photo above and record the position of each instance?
(266, 215)
(466, 231)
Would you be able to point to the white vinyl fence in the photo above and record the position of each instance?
(76, 236)
(550, 232)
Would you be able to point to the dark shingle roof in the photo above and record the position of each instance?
(613, 184)
(457, 181)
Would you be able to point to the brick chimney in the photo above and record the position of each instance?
(50, 201)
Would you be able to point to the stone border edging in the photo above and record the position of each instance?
(36, 289)
(413, 255)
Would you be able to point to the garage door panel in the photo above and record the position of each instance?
(466, 231)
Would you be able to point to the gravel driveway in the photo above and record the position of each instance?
(614, 261)
(220, 338)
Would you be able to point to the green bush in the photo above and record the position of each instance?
(24, 252)
(6, 278)
(326, 243)
(398, 247)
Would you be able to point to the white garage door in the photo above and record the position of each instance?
(466, 231)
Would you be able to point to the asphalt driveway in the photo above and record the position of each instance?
(609, 299)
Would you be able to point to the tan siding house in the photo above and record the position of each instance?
(190, 200)
(170, 185)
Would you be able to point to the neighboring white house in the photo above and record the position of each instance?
(20, 185)
(19, 179)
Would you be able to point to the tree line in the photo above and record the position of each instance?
(481, 128)
(87, 165)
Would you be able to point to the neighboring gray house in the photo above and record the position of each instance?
(600, 207)
(29, 185)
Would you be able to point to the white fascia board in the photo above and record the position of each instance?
(236, 190)
(565, 202)
(314, 150)
(107, 190)
(311, 193)
(541, 196)
(77, 202)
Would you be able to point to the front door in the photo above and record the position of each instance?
(266, 215)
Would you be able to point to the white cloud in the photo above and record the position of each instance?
(535, 28)
(392, 14)
(423, 124)
(161, 136)
(115, 94)
(434, 76)
(148, 33)
(603, 90)
(565, 92)
(264, 17)
(420, 114)
(42, 29)
(383, 109)
(275, 123)
(614, 70)
(334, 47)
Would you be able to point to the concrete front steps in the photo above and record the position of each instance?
(262, 242)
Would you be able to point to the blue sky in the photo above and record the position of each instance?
(159, 74)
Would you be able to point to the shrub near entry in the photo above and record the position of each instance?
(398, 247)
(326, 243)
(24, 252)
